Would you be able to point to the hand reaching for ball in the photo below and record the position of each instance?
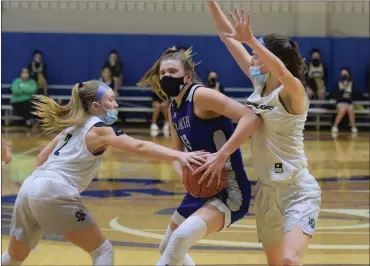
(213, 167)
(196, 158)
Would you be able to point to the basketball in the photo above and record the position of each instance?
(200, 190)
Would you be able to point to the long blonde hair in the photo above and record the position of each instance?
(56, 117)
(152, 77)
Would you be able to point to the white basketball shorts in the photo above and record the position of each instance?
(280, 208)
(47, 205)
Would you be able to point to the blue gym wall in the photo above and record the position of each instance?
(74, 57)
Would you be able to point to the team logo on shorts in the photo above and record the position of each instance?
(311, 222)
(80, 216)
(278, 168)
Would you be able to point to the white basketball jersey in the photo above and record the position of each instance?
(277, 146)
(71, 159)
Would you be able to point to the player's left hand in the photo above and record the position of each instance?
(242, 26)
(213, 168)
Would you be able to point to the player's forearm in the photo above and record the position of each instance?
(244, 130)
(177, 167)
(155, 151)
(219, 19)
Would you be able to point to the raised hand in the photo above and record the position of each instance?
(241, 24)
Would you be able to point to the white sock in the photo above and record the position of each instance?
(7, 260)
(103, 255)
(162, 247)
(189, 232)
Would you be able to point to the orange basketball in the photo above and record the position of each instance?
(200, 190)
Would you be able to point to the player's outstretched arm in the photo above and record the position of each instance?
(6, 155)
(44, 154)
(110, 136)
(236, 49)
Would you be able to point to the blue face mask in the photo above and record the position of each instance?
(110, 117)
(256, 74)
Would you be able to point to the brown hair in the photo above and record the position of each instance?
(288, 52)
(56, 117)
(151, 77)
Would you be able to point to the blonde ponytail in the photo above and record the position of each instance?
(55, 117)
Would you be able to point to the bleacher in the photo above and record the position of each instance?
(136, 103)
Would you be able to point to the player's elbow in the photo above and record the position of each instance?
(254, 121)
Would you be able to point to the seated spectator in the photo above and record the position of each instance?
(159, 106)
(344, 100)
(115, 65)
(316, 76)
(37, 69)
(106, 77)
(213, 82)
(23, 89)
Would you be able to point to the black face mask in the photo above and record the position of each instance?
(212, 82)
(172, 86)
(344, 78)
(37, 64)
(316, 62)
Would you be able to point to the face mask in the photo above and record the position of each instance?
(344, 78)
(110, 117)
(172, 86)
(212, 81)
(256, 74)
(316, 62)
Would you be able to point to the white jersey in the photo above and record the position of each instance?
(71, 159)
(277, 146)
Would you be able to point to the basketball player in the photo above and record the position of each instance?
(201, 118)
(49, 200)
(288, 197)
(6, 155)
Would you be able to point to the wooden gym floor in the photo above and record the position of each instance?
(133, 198)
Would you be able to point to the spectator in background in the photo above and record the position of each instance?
(316, 76)
(159, 106)
(115, 65)
(213, 82)
(106, 77)
(23, 89)
(344, 100)
(37, 69)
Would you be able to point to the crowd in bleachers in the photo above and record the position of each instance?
(33, 80)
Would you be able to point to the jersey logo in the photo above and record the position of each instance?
(278, 168)
(80, 216)
(260, 106)
(182, 123)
